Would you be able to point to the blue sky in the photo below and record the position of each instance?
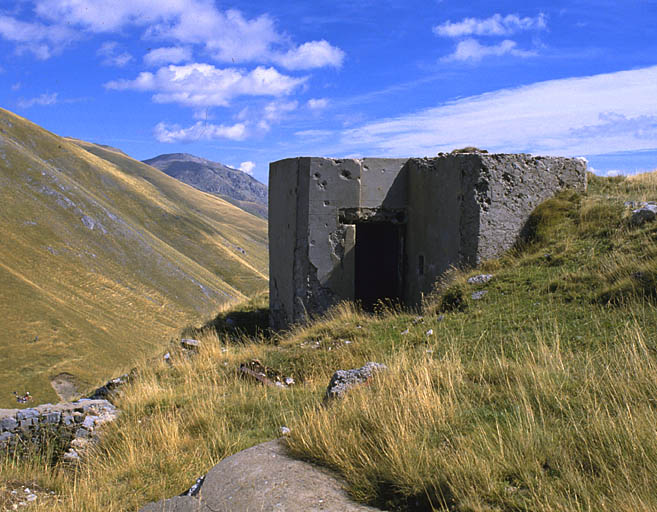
(247, 83)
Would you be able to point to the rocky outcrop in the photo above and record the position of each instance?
(343, 380)
(264, 478)
(647, 212)
(73, 425)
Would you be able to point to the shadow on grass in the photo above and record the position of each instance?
(249, 321)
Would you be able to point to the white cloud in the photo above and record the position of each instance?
(203, 85)
(317, 103)
(276, 110)
(43, 100)
(16, 86)
(169, 55)
(471, 49)
(496, 25)
(572, 116)
(315, 54)
(43, 41)
(112, 55)
(247, 167)
(199, 131)
(613, 172)
(228, 36)
(314, 135)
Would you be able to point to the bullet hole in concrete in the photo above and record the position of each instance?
(345, 175)
(326, 203)
(317, 175)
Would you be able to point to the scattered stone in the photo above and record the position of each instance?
(646, 213)
(167, 358)
(343, 380)
(480, 279)
(418, 319)
(429, 332)
(111, 387)
(479, 295)
(190, 344)
(254, 369)
(405, 332)
(194, 489)
(285, 431)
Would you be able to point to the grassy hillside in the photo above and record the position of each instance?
(540, 396)
(103, 258)
(233, 185)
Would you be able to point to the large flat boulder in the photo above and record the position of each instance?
(265, 478)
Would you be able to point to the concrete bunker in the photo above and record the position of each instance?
(380, 228)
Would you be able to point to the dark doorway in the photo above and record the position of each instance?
(379, 256)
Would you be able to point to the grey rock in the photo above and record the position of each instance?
(265, 478)
(27, 413)
(52, 417)
(28, 422)
(177, 504)
(190, 344)
(82, 432)
(8, 423)
(480, 279)
(5, 437)
(646, 213)
(89, 422)
(479, 295)
(343, 380)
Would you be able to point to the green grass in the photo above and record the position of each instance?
(89, 300)
(540, 396)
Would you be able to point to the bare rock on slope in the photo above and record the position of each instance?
(264, 478)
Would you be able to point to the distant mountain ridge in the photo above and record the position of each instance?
(231, 184)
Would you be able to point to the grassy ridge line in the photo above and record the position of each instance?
(235, 225)
(539, 396)
(87, 299)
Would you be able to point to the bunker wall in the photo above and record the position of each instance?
(283, 192)
(433, 235)
(508, 188)
(452, 210)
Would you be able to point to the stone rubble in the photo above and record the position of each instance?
(343, 380)
(77, 420)
(480, 279)
(646, 213)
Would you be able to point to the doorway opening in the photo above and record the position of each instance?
(379, 263)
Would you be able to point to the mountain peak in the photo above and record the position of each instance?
(215, 178)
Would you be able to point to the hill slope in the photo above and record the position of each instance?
(231, 184)
(103, 257)
(537, 395)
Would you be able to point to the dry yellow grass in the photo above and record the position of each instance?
(540, 396)
(104, 258)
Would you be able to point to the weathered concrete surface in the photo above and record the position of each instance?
(451, 210)
(263, 479)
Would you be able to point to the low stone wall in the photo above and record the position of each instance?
(72, 425)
